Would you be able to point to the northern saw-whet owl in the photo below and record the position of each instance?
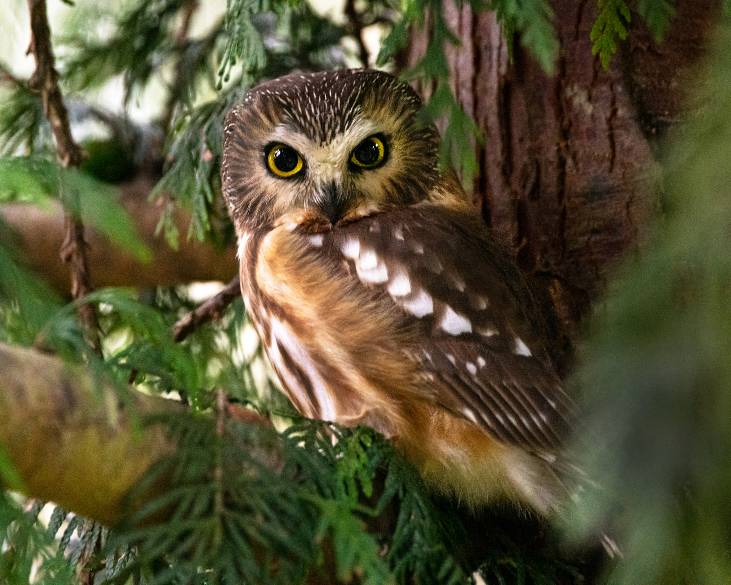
(378, 293)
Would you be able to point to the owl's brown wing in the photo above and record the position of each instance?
(479, 344)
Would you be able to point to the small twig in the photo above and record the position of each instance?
(69, 154)
(210, 310)
(356, 28)
(181, 41)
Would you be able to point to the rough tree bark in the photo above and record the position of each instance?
(568, 175)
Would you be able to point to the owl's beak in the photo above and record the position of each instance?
(333, 203)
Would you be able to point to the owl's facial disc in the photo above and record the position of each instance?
(335, 179)
(341, 145)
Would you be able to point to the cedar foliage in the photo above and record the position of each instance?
(339, 500)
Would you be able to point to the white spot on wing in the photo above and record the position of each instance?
(458, 282)
(400, 285)
(316, 240)
(471, 368)
(470, 414)
(479, 302)
(454, 323)
(420, 305)
(521, 348)
(481, 361)
(398, 233)
(368, 260)
(375, 276)
(486, 331)
(371, 268)
(351, 248)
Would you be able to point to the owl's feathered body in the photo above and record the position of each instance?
(380, 297)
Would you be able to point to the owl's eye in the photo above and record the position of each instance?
(284, 161)
(370, 153)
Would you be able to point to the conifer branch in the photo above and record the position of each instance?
(210, 310)
(70, 440)
(69, 154)
(177, 86)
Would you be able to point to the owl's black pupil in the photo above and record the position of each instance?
(367, 152)
(285, 159)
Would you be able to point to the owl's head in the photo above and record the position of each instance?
(338, 144)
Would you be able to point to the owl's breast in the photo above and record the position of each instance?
(327, 340)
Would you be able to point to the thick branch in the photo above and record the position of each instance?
(71, 441)
(39, 233)
(45, 80)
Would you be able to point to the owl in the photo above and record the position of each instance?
(378, 293)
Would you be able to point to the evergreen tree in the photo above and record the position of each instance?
(148, 419)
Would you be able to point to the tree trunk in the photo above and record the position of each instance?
(568, 177)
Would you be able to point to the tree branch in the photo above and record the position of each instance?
(70, 440)
(45, 80)
(356, 26)
(39, 231)
(210, 310)
(177, 87)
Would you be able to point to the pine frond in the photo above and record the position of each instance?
(610, 27)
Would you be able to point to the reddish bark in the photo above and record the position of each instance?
(568, 175)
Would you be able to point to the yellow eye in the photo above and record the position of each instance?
(284, 161)
(370, 153)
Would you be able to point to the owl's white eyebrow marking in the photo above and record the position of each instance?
(521, 348)
(454, 323)
(316, 240)
(471, 368)
(351, 248)
(400, 285)
(421, 305)
(481, 361)
(470, 414)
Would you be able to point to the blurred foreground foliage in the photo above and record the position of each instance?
(657, 373)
